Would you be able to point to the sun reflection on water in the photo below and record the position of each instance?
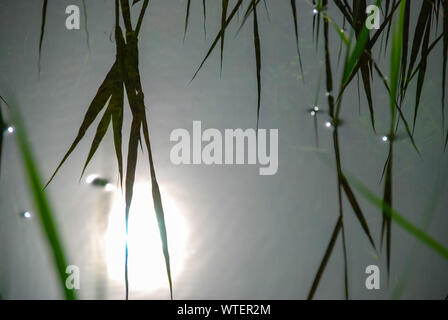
(146, 264)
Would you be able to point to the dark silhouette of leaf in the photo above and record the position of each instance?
(267, 10)
(158, 208)
(218, 37)
(356, 208)
(404, 56)
(325, 258)
(396, 52)
(225, 5)
(422, 70)
(140, 18)
(249, 10)
(425, 12)
(257, 58)
(296, 31)
(130, 178)
(365, 74)
(406, 125)
(345, 11)
(136, 101)
(204, 12)
(42, 31)
(97, 104)
(387, 203)
(187, 17)
(99, 135)
(117, 123)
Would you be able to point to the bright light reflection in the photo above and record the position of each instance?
(90, 178)
(146, 263)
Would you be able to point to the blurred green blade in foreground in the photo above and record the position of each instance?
(40, 200)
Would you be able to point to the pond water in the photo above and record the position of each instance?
(233, 233)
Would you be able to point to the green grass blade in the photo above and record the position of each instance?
(422, 70)
(41, 202)
(429, 212)
(399, 219)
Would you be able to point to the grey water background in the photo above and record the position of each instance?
(258, 237)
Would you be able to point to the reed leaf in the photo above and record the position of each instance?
(204, 13)
(400, 220)
(296, 32)
(396, 53)
(99, 135)
(130, 179)
(102, 96)
(422, 70)
(42, 31)
(43, 207)
(325, 258)
(225, 5)
(218, 37)
(356, 208)
(187, 17)
(257, 58)
(124, 72)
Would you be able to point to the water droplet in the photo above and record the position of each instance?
(385, 139)
(315, 11)
(328, 124)
(10, 129)
(27, 214)
(313, 113)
